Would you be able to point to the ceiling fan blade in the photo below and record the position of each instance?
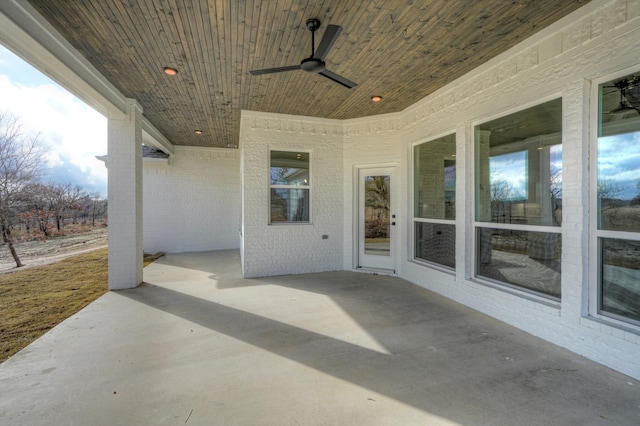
(328, 40)
(338, 79)
(275, 70)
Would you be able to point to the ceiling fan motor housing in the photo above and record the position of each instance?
(312, 65)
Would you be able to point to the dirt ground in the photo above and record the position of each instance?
(34, 253)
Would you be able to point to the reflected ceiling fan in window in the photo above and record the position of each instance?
(315, 63)
(629, 89)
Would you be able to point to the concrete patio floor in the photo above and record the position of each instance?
(200, 345)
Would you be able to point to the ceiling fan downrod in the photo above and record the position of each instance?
(312, 64)
(312, 25)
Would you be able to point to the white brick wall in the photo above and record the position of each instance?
(601, 38)
(192, 204)
(291, 248)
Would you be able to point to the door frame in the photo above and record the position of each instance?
(355, 224)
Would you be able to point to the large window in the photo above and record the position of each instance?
(289, 187)
(435, 201)
(518, 188)
(618, 199)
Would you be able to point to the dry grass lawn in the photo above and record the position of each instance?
(34, 300)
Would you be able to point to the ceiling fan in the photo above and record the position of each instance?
(315, 63)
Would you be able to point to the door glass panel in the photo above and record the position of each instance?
(376, 215)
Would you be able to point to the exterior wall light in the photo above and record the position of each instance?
(170, 71)
(376, 98)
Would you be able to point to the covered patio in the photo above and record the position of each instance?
(210, 338)
(199, 344)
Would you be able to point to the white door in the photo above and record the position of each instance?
(376, 219)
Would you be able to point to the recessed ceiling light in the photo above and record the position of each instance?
(198, 132)
(170, 71)
(376, 98)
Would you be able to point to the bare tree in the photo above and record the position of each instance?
(503, 190)
(66, 197)
(503, 194)
(636, 200)
(49, 205)
(377, 206)
(39, 206)
(94, 207)
(21, 162)
(609, 193)
(556, 194)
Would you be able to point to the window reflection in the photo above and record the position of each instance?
(376, 215)
(436, 243)
(519, 183)
(618, 197)
(435, 179)
(619, 182)
(519, 167)
(621, 278)
(434, 175)
(289, 180)
(289, 205)
(289, 168)
(530, 260)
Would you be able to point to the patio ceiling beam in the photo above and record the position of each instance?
(152, 137)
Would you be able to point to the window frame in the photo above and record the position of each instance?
(476, 224)
(596, 235)
(281, 186)
(412, 215)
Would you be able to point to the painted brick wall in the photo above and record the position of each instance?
(192, 204)
(291, 248)
(561, 61)
(602, 38)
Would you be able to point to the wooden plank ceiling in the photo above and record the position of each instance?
(402, 50)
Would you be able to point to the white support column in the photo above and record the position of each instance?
(125, 198)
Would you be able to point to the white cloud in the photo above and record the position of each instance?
(73, 131)
(619, 162)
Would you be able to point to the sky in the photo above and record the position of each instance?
(619, 163)
(73, 132)
(513, 168)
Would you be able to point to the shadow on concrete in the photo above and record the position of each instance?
(441, 358)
